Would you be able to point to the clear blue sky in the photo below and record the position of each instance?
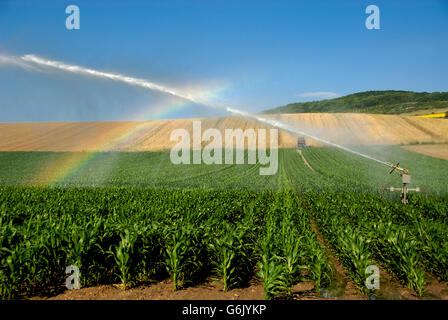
(251, 54)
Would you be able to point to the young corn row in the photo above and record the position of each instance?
(133, 235)
(404, 240)
(130, 235)
(289, 247)
(350, 245)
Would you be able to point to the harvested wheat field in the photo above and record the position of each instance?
(347, 129)
(432, 150)
(369, 129)
(115, 136)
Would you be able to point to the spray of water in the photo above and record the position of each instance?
(25, 61)
(287, 127)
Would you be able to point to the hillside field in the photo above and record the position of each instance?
(346, 129)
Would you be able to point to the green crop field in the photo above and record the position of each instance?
(334, 170)
(131, 217)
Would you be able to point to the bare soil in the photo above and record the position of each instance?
(435, 289)
(432, 150)
(344, 289)
(163, 290)
(210, 290)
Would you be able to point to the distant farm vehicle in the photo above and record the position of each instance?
(301, 143)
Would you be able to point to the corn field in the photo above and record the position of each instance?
(149, 222)
(131, 235)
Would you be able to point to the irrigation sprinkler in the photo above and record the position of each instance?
(406, 180)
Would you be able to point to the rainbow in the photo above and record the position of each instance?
(69, 164)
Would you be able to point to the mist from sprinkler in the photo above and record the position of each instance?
(27, 62)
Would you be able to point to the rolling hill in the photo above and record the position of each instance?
(347, 129)
(384, 102)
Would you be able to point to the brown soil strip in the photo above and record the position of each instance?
(391, 288)
(304, 160)
(432, 150)
(210, 290)
(434, 288)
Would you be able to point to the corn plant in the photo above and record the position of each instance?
(355, 252)
(318, 266)
(272, 268)
(292, 253)
(227, 249)
(148, 253)
(11, 274)
(398, 251)
(123, 257)
(272, 272)
(183, 254)
(138, 234)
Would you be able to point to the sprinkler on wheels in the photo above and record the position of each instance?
(406, 180)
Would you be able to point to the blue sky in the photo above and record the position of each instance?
(246, 54)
